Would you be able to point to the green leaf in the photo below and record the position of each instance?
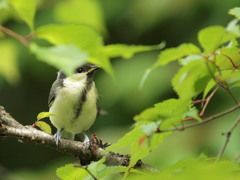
(8, 61)
(133, 136)
(201, 168)
(79, 35)
(212, 37)
(234, 27)
(169, 111)
(127, 51)
(64, 57)
(228, 58)
(193, 112)
(26, 10)
(235, 12)
(192, 79)
(89, 12)
(82, 36)
(44, 127)
(231, 77)
(172, 54)
(69, 172)
(43, 115)
(208, 87)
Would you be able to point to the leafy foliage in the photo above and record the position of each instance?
(214, 63)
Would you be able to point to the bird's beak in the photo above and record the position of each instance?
(93, 68)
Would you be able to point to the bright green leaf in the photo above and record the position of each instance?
(64, 57)
(69, 172)
(43, 115)
(212, 37)
(234, 27)
(25, 9)
(193, 112)
(208, 87)
(150, 128)
(8, 61)
(82, 36)
(133, 136)
(228, 58)
(172, 54)
(231, 77)
(127, 51)
(89, 12)
(192, 79)
(44, 127)
(235, 12)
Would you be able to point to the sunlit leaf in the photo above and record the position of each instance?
(8, 61)
(82, 36)
(212, 37)
(89, 12)
(133, 136)
(209, 87)
(192, 79)
(231, 77)
(172, 54)
(127, 51)
(43, 115)
(64, 57)
(235, 12)
(69, 172)
(26, 10)
(44, 126)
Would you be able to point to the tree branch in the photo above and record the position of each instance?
(27, 134)
(204, 121)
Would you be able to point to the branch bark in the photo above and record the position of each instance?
(27, 134)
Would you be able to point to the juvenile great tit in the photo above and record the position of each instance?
(73, 102)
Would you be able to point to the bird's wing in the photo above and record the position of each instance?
(53, 91)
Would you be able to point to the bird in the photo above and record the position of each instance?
(73, 102)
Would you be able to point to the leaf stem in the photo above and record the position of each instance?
(206, 120)
(11, 33)
(228, 135)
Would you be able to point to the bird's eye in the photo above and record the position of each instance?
(79, 70)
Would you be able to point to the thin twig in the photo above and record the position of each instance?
(228, 135)
(11, 33)
(208, 100)
(204, 121)
(90, 173)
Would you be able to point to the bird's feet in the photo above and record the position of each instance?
(57, 136)
(86, 140)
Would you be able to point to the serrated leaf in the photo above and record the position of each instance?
(82, 36)
(234, 27)
(69, 172)
(8, 61)
(169, 111)
(133, 136)
(231, 77)
(89, 12)
(228, 58)
(193, 112)
(212, 37)
(192, 79)
(172, 54)
(209, 87)
(127, 51)
(43, 115)
(150, 128)
(26, 10)
(64, 57)
(235, 12)
(44, 127)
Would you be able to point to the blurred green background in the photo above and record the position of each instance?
(24, 88)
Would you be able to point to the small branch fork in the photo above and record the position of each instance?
(23, 39)
(27, 134)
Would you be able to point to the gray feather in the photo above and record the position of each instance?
(55, 85)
